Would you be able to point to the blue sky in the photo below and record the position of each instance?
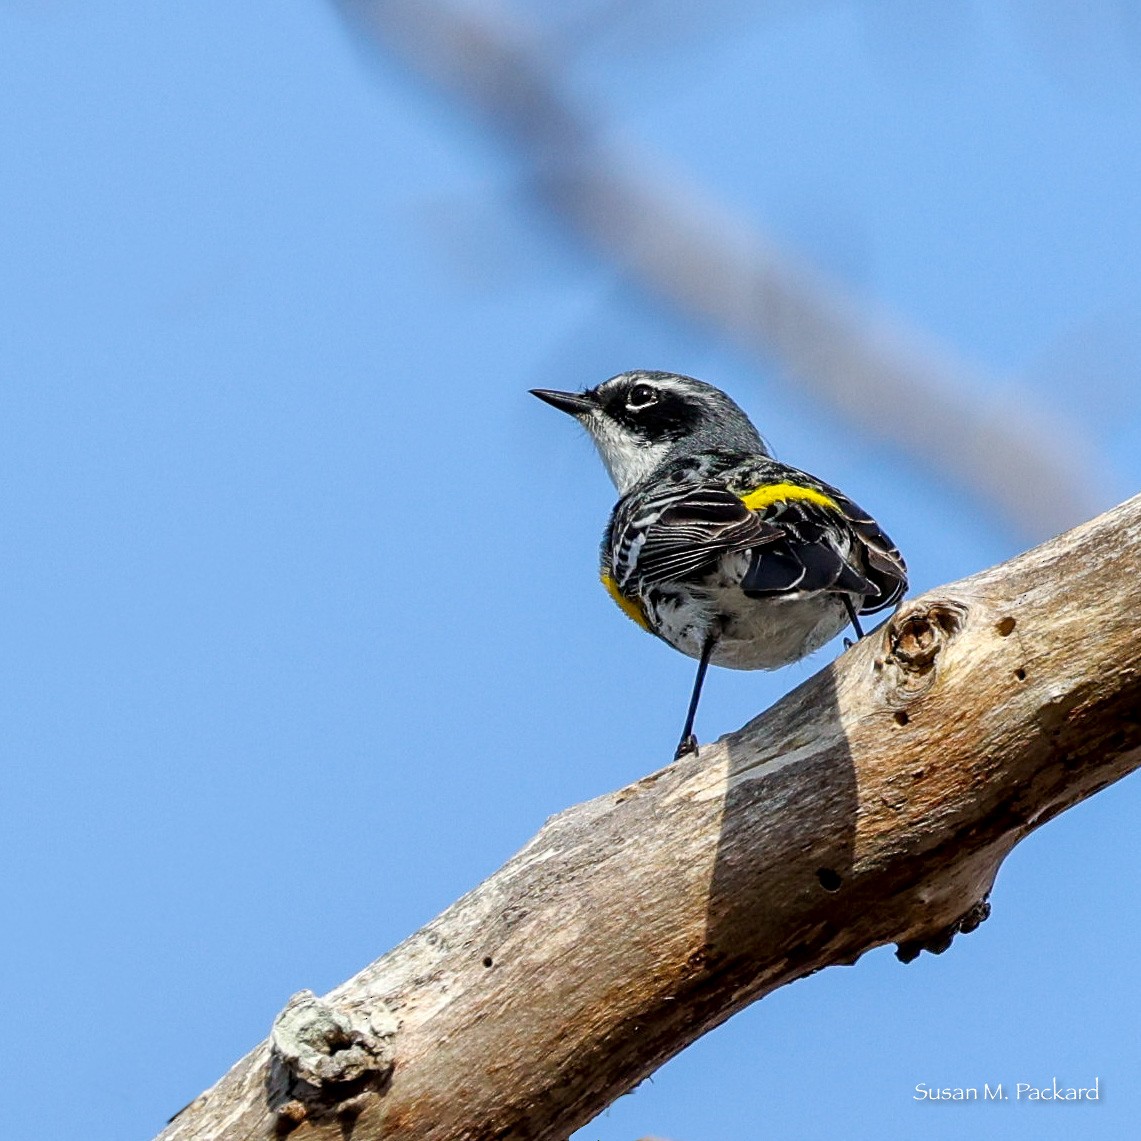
(268, 474)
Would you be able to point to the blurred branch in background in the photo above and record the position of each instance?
(881, 377)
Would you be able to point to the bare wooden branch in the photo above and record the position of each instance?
(889, 381)
(872, 805)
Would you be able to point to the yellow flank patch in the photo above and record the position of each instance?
(771, 493)
(627, 605)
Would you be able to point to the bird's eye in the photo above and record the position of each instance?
(641, 396)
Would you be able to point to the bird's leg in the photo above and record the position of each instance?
(688, 742)
(853, 619)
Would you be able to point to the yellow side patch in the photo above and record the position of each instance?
(627, 605)
(780, 492)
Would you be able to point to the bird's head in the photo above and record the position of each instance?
(639, 420)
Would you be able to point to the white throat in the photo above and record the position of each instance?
(627, 459)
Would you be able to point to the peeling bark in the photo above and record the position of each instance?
(872, 805)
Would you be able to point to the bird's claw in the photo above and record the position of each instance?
(688, 745)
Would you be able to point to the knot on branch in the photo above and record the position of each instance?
(914, 639)
(326, 1059)
(936, 942)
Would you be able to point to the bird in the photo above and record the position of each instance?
(716, 547)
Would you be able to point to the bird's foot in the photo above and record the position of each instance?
(685, 747)
(848, 643)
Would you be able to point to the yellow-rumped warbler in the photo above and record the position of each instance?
(725, 553)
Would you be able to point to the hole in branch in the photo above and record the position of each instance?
(829, 880)
(488, 961)
(1005, 626)
(1020, 673)
(901, 718)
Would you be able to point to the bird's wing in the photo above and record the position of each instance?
(827, 543)
(883, 564)
(681, 533)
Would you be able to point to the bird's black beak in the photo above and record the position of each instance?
(575, 403)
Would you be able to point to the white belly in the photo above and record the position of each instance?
(756, 633)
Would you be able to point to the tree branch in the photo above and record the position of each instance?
(727, 274)
(871, 805)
